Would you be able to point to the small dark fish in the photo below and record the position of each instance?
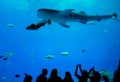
(32, 27)
(1, 56)
(83, 50)
(5, 59)
(38, 25)
(17, 75)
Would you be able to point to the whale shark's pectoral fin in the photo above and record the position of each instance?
(63, 24)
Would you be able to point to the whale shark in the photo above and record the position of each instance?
(69, 15)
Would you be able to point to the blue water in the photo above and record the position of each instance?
(27, 50)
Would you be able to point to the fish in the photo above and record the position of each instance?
(38, 25)
(64, 53)
(10, 25)
(3, 78)
(83, 50)
(69, 15)
(49, 57)
(17, 75)
(1, 56)
(5, 59)
(8, 53)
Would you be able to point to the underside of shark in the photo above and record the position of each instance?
(69, 15)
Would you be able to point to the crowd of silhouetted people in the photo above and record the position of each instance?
(92, 75)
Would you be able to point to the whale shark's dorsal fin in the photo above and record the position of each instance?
(67, 11)
(82, 13)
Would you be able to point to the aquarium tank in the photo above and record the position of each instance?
(58, 34)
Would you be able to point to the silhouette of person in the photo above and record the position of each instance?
(105, 78)
(27, 78)
(116, 77)
(68, 77)
(84, 74)
(54, 76)
(38, 25)
(95, 77)
(42, 77)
